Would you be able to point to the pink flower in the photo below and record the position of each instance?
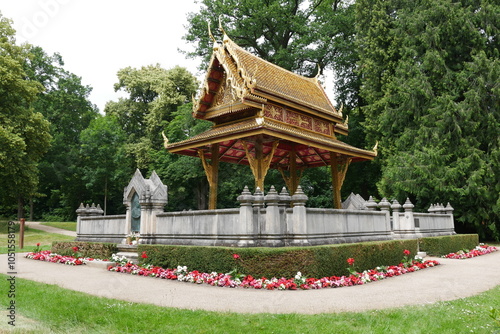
(236, 256)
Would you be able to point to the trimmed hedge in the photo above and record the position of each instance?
(439, 246)
(98, 250)
(315, 261)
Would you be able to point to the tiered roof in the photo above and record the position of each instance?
(245, 96)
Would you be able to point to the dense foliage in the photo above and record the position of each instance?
(430, 74)
(24, 133)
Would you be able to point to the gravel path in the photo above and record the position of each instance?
(451, 280)
(50, 229)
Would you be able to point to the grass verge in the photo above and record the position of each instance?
(66, 311)
(31, 238)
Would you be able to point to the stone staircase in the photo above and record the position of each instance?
(129, 251)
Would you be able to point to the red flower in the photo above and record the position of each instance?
(38, 244)
(236, 256)
(406, 252)
(144, 255)
(350, 261)
(75, 249)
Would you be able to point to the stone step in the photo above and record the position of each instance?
(126, 248)
(131, 256)
(99, 264)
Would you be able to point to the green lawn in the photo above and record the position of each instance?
(31, 238)
(66, 311)
(70, 226)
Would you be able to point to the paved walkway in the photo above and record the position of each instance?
(452, 279)
(50, 229)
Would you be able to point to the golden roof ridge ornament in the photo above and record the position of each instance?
(375, 148)
(221, 28)
(318, 74)
(165, 139)
(210, 32)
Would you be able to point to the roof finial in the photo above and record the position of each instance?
(220, 26)
(165, 139)
(210, 32)
(319, 72)
(375, 148)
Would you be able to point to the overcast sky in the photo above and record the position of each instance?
(97, 38)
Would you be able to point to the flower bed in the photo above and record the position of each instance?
(479, 250)
(234, 280)
(298, 282)
(48, 256)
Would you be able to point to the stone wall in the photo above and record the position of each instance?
(269, 220)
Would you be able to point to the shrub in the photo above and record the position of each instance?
(98, 250)
(438, 246)
(315, 261)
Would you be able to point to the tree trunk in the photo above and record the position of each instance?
(201, 194)
(31, 209)
(20, 207)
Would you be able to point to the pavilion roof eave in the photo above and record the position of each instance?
(272, 129)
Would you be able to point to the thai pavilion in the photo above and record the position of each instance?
(266, 117)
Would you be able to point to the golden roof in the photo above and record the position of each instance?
(252, 78)
(253, 101)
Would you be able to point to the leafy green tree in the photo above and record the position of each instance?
(24, 133)
(188, 186)
(430, 71)
(104, 163)
(65, 103)
(154, 94)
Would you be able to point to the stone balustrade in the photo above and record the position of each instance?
(269, 219)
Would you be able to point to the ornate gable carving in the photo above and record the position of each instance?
(225, 95)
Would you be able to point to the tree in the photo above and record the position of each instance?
(24, 133)
(188, 186)
(65, 103)
(297, 35)
(154, 94)
(430, 80)
(104, 162)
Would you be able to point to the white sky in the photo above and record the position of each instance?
(98, 38)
